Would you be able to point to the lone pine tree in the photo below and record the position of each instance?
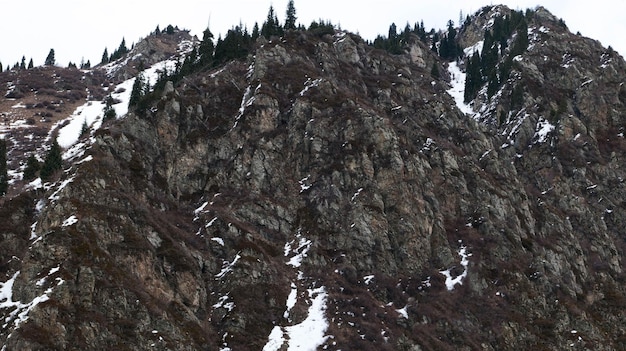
(52, 163)
(32, 167)
(290, 21)
(50, 60)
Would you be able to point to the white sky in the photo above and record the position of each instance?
(78, 29)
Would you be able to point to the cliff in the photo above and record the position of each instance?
(325, 193)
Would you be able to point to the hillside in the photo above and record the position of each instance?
(323, 192)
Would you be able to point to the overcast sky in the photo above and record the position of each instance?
(77, 29)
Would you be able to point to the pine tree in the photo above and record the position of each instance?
(206, 49)
(449, 49)
(30, 64)
(32, 167)
(138, 90)
(52, 163)
(236, 44)
(105, 57)
(121, 51)
(1, 67)
(85, 65)
(255, 32)
(23, 64)
(290, 21)
(493, 84)
(271, 27)
(434, 71)
(4, 175)
(50, 61)
(473, 78)
(393, 40)
(108, 111)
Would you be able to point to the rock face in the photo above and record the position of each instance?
(325, 176)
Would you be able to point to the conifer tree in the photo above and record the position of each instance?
(23, 64)
(235, 45)
(1, 67)
(290, 21)
(206, 49)
(271, 26)
(121, 51)
(105, 57)
(493, 84)
(255, 32)
(393, 40)
(108, 110)
(82, 63)
(4, 175)
(32, 167)
(30, 64)
(473, 78)
(50, 60)
(434, 71)
(52, 163)
(449, 49)
(138, 90)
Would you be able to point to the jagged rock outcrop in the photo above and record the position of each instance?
(148, 51)
(323, 174)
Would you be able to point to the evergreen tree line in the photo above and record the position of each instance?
(448, 48)
(168, 30)
(488, 66)
(52, 163)
(236, 44)
(395, 42)
(50, 61)
(116, 55)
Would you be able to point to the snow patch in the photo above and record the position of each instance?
(222, 303)
(246, 101)
(304, 245)
(543, 129)
(303, 184)
(41, 281)
(307, 335)
(19, 310)
(451, 282)
(457, 89)
(403, 312)
(310, 84)
(228, 267)
(478, 47)
(358, 192)
(218, 240)
(291, 299)
(69, 221)
(55, 196)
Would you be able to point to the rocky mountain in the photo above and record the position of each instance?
(324, 194)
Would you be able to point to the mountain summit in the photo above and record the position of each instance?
(454, 190)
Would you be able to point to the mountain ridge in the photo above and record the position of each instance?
(322, 182)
